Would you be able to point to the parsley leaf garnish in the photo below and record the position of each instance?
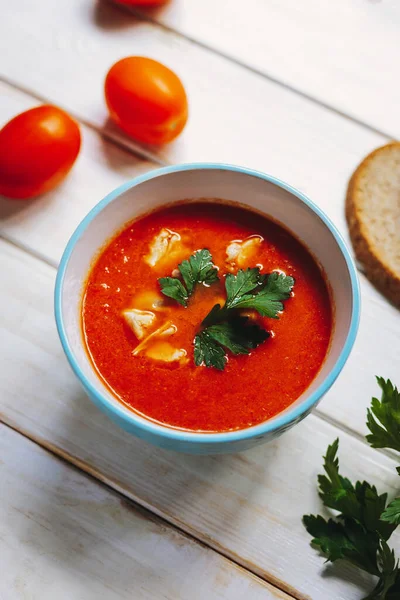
(224, 327)
(268, 291)
(173, 288)
(238, 286)
(199, 268)
(208, 352)
(267, 294)
(236, 335)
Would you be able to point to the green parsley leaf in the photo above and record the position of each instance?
(268, 291)
(364, 549)
(173, 288)
(347, 540)
(216, 315)
(199, 268)
(237, 286)
(392, 512)
(208, 352)
(360, 502)
(236, 335)
(383, 419)
(388, 586)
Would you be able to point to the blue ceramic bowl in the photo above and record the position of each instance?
(249, 188)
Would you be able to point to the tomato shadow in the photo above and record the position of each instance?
(109, 14)
(115, 135)
(126, 163)
(11, 208)
(161, 155)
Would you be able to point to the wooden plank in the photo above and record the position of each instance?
(65, 536)
(344, 53)
(235, 115)
(248, 506)
(45, 225)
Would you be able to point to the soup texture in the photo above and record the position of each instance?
(141, 342)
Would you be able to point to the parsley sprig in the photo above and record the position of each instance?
(365, 521)
(199, 268)
(225, 329)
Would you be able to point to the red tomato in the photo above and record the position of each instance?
(146, 99)
(37, 149)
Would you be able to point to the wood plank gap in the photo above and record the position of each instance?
(150, 512)
(116, 139)
(25, 248)
(392, 454)
(286, 86)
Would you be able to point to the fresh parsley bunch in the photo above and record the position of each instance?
(365, 521)
(225, 328)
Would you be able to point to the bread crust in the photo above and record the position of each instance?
(378, 271)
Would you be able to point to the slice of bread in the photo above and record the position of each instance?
(373, 216)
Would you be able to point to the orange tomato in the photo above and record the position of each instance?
(146, 99)
(37, 149)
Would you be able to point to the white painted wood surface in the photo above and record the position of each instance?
(45, 225)
(248, 506)
(235, 115)
(65, 536)
(343, 53)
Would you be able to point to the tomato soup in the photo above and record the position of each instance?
(141, 342)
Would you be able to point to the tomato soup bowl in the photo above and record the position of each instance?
(259, 192)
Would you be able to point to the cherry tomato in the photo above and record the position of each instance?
(37, 149)
(146, 99)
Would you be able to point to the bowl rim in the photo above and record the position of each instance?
(276, 423)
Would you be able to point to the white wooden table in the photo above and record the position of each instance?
(302, 90)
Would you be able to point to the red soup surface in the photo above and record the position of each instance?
(155, 375)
